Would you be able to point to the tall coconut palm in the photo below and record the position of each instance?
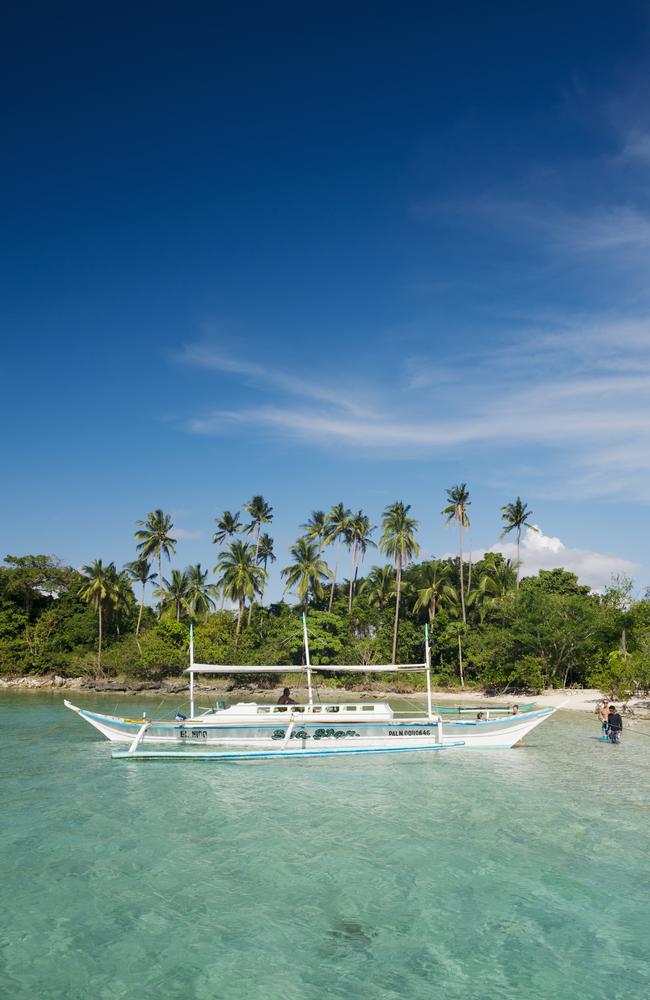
(227, 526)
(379, 586)
(120, 597)
(261, 513)
(200, 594)
(429, 584)
(240, 577)
(139, 571)
(265, 555)
(316, 528)
(456, 513)
(307, 572)
(359, 540)
(95, 589)
(516, 516)
(154, 538)
(337, 527)
(174, 595)
(398, 543)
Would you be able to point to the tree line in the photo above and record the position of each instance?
(488, 626)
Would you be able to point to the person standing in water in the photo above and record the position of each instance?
(614, 725)
(602, 712)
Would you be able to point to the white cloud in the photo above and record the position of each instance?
(540, 551)
(183, 535)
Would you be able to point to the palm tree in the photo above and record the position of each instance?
(240, 577)
(154, 538)
(265, 554)
(430, 580)
(316, 528)
(500, 577)
(450, 597)
(175, 593)
(120, 596)
(200, 595)
(337, 528)
(227, 526)
(139, 571)
(261, 513)
(379, 586)
(456, 511)
(515, 516)
(307, 572)
(95, 590)
(398, 543)
(358, 537)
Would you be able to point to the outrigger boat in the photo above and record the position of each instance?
(312, 728)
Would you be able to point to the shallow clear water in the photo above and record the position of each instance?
(504, 874)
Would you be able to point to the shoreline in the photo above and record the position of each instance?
(571, 699)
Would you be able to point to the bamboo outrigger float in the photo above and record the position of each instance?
(310, 729)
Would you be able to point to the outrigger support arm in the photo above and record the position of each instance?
(191, 671)
(427, 659)
(307, 660)
(140, 736)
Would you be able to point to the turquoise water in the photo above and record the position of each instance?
(504, 874)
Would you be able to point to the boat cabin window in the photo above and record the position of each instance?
(367, 708)
(350, 708)
(299, 708)
(316, 709)
(331, 708)
(280, 708)
(263, 709)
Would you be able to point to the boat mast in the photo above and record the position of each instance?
(427, 660)
(308, 661)
(191, 671)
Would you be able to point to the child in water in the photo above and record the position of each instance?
(614, 725)
(602, 712)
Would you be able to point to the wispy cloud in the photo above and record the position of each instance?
(636, 147)
(213, 358)
(543, 224)
(581, 391)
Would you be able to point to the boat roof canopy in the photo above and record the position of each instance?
(360, 668)
(219, 668)
(222, 668)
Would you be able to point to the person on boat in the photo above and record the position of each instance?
(515, 709)
(285, 698)
(480, 717)
(614, 725)
(602, 712)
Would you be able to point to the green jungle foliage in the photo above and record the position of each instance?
(547, 632)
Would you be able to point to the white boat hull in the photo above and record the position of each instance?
(311, 733)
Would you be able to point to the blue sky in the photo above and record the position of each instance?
(357, 253)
